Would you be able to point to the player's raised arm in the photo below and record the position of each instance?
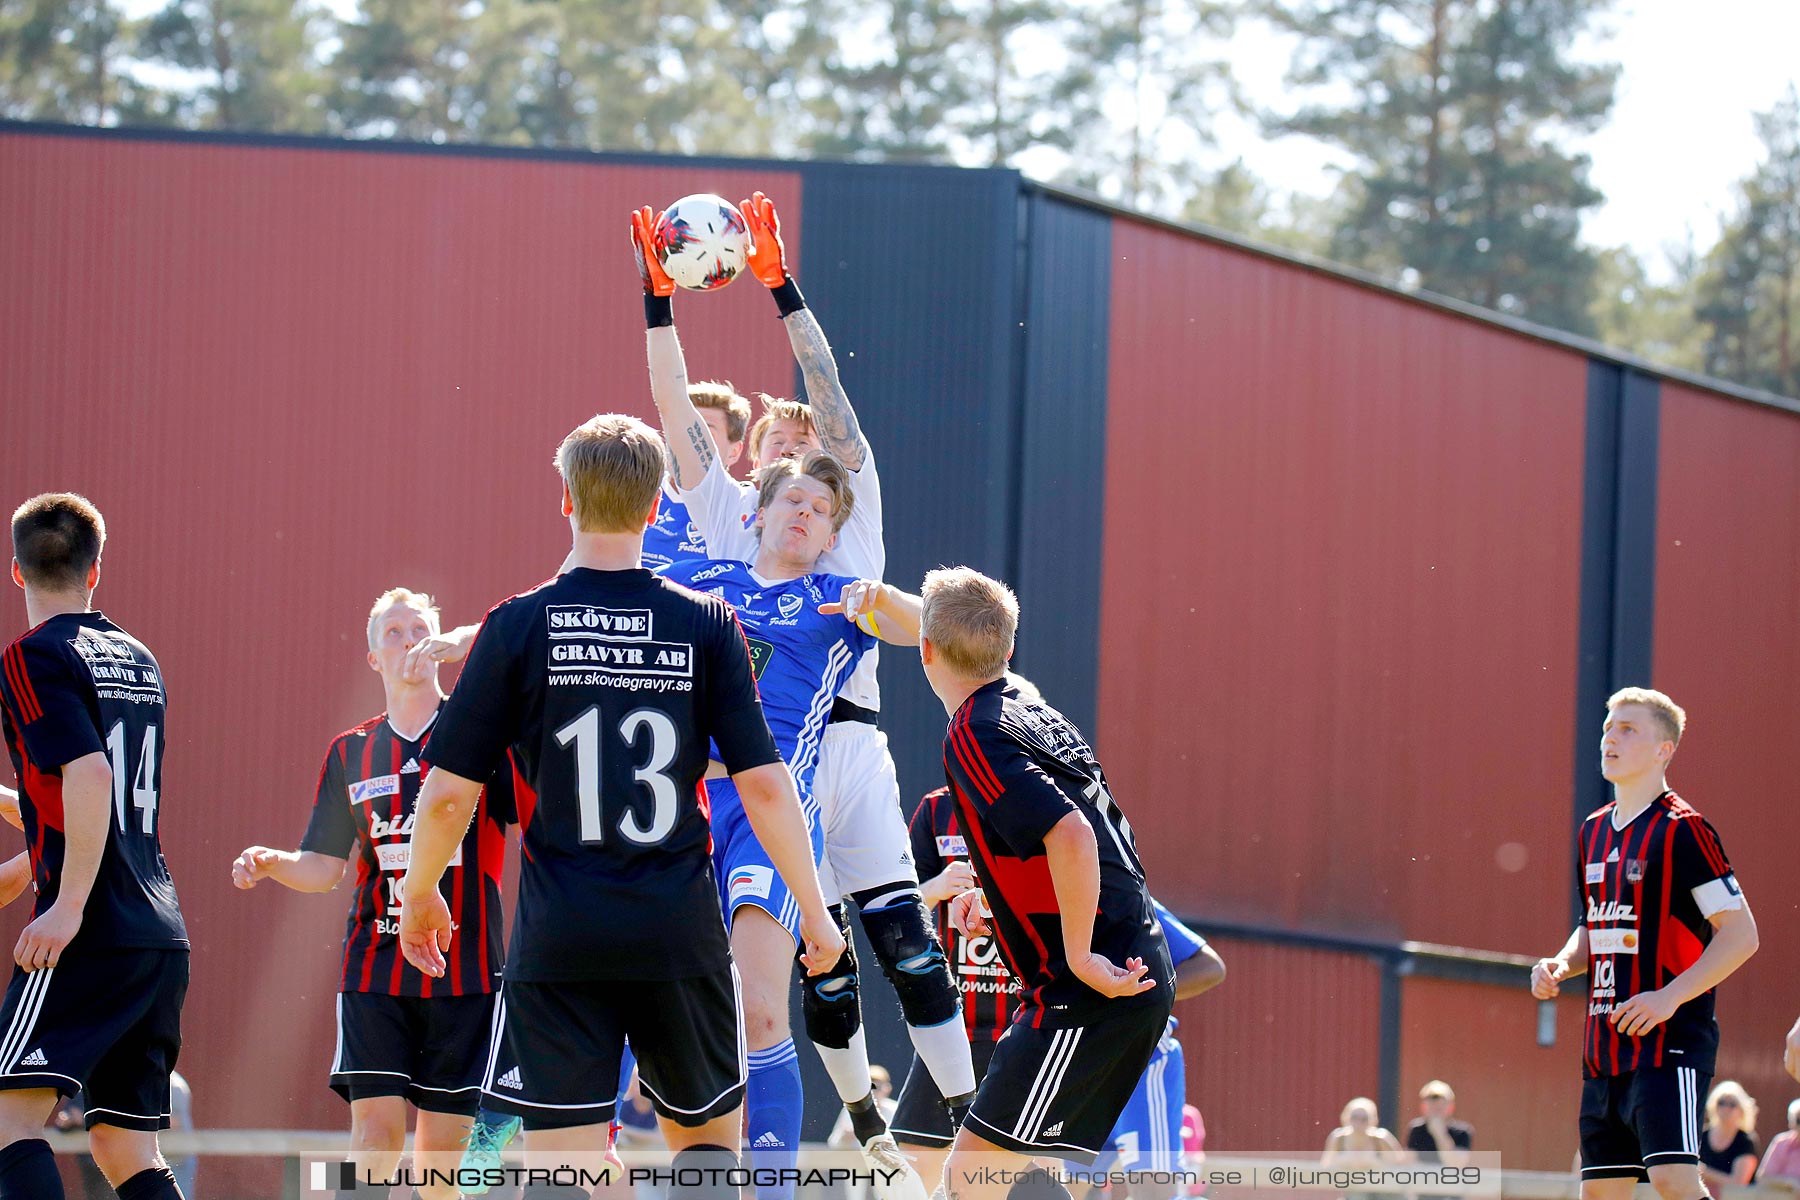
(833, 417)
(879, 608)
(691, 450)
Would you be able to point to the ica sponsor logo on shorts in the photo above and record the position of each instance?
(364, 790)
(952, 846)
(748, 882)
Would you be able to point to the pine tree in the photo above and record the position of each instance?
(1162, 63)
(1747, 294)
(254, 63)
(1454, 115)
(62, 61)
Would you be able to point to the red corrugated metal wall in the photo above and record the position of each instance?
(1275, 1052)
(292, 378)
(1340, 603)
(1521, 1097)
(1728, 650)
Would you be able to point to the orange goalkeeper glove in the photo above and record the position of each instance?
(768, 258)
(656, 281)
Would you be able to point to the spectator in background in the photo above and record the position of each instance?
(1728, 1147)
(1781, 1165)
(1360, 1141)
(1437, 1136)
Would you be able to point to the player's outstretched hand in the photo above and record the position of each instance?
(857, 602)
(1101, 975)
(252, 866)
(9, 809)
(425, 932)
(824, 943)
(656, 281)
(768, 257)
(1792, 1059)
(1547, 977)
(966, 914)
(42, 942)
(1643, 1012)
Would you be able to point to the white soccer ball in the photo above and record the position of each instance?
(702, 242)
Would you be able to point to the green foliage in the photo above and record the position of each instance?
(1455, 112)
(1746, 294)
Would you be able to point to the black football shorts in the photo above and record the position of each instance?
(430, 1050)
(1059, 1092)
(105, 1023)
(554, 1058)
(1649, 1117)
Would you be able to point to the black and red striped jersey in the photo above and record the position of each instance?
(1650, 888)
(989, 990)
(367, 788)
(1016, 769)
(78, 685)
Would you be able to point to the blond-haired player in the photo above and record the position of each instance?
(1665, 923)
(402, 1036)
(1059, 872)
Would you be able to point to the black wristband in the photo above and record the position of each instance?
(658, 310)
(788, 298)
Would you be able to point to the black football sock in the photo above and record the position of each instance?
(28, 1172)
(151, 1183)
(712, 1162)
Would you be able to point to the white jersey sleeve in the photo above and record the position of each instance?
(860, 551)
(718, 508)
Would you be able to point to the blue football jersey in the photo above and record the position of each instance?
(1184, 943)
(800, 656)
(673, 537)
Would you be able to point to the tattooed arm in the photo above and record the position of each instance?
(833, 417)
(691, 450)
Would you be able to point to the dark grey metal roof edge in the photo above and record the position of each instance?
(1461, 308)
(320, 141)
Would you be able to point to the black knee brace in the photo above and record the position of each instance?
(832, 1009)
(705, 1173)
(909, 953)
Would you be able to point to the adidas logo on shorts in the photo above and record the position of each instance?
(34, 1059)
(1054, 1130)
(768, 1141)
(511, 1080)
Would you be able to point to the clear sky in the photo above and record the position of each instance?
(1694, 71)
